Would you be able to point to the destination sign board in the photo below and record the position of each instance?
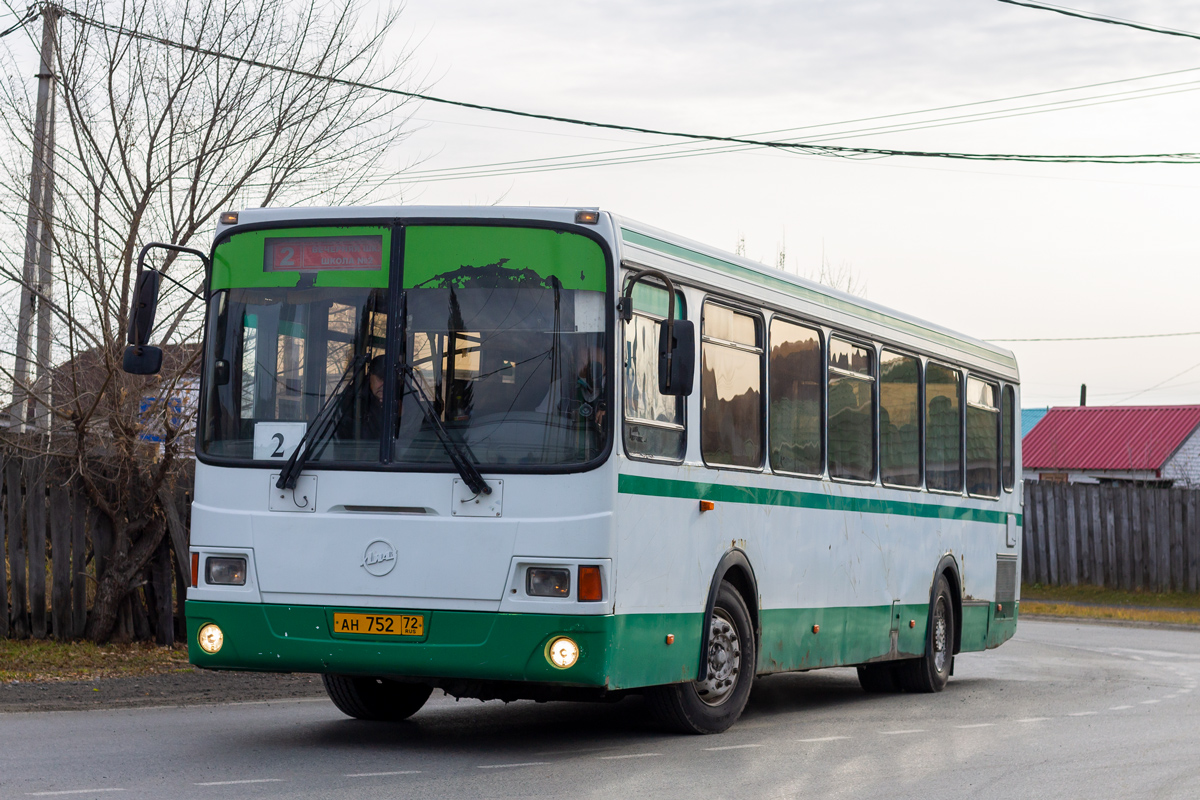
(322, 253)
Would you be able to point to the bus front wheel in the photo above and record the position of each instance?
(930, 672)
(377, 699)
(714, 704)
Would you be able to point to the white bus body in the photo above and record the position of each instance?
(832, 572)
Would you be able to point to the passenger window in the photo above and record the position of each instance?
(851, 406)
(943, 428)
(794, 394)
(983, 438)
(899, 419)
(731, 388)
(1010, 416)
(654, 423)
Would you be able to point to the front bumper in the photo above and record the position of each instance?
(457, 644)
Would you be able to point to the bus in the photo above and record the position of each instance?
(544, 453)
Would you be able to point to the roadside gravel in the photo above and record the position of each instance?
(183, 688)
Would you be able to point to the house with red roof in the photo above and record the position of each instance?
(1150, 445)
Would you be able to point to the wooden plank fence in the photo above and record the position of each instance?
(1122, 537)
(54, 546)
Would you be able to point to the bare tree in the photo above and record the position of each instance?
(154, 140)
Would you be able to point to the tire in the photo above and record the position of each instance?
(713, 705)
(930, 672)
(879, 678)
(376, 699)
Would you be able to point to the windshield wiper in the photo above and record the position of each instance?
(466, 468)
(323, 423)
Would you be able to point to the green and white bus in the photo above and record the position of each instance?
(555, 453)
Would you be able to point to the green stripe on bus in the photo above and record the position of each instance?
(813, 296)
(751, 495)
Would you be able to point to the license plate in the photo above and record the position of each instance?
(380, 624)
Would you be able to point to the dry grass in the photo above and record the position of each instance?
(30, 660)
(1178, 617)
(1098, 595)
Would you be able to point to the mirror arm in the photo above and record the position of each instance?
(626, 307)
(141, 264)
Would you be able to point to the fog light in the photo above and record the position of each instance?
(225, 571)
(542, 582)
(563, 652)
(210, 638)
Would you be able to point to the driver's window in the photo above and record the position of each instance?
(654, 422)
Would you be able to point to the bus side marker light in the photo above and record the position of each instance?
(590, 590)
(912, 623)
(999, 607)
(707, 505)
(816, 628)
(563, 653)
(210, 638)
(587, 217)
(229, 218)
(670, 638)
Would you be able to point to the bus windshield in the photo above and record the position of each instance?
(504, 335)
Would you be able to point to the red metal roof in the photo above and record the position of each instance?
(1110, 438)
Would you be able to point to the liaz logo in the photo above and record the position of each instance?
(379, 558)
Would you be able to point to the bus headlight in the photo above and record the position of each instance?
(210, 638)
(563, 653)
(546, 582)
(225, 571)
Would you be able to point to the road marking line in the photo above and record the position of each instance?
(1120, 708)
(71, 791)
(1033, 719)
(1185, 691)
(1149, 702)
(507, 766)
(897, 733)
(236, 783)
(732, 747)
(382, 774)
(976, 725)
(1082, 713)
(631, 755)
(824, 739)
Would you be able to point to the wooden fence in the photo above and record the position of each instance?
(53, 548)
(1126, 537)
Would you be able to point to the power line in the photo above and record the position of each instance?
(620, 156)
(1160, 383)
(1101, 338)
(1070, 12)
(836, 151)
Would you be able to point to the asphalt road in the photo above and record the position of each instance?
(1064, 710)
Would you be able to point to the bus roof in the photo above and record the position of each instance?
(645, 243)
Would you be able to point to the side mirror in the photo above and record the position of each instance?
(221, 372)
(145, 304)
(142, 359)
(676, 357)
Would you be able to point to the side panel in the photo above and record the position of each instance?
(856, 562)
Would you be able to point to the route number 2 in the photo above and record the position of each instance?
(275, 441)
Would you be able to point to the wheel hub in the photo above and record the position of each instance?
(939, 635)
(724, 660)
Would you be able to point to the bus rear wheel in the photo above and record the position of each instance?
(931, 672)
(714, 704)
(376, 699)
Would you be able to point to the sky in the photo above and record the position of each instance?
(994, 250)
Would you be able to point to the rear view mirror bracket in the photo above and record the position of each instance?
(140, 357)
(676, 341)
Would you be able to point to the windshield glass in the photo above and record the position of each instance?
(505, 332)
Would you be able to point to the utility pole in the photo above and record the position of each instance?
(36, 278)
